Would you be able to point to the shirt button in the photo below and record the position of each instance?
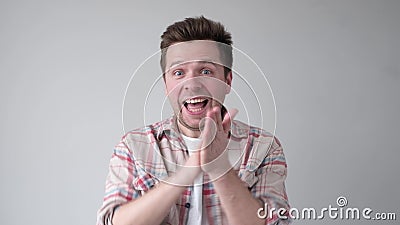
(187, 205)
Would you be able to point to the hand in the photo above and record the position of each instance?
(188, 172)
(214, 159)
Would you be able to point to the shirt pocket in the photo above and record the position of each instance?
(144, 183)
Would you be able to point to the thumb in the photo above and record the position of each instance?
(228, 118)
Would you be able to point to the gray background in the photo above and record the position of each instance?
(64, 66)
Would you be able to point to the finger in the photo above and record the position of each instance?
(209, 130)
(215, 123)
(218, 118)
(196, 156)
(228, 118)
(194, 159)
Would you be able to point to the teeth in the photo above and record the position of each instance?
(196, 100)
(195, 110)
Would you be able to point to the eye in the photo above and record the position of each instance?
(206, 71)
(178, 73)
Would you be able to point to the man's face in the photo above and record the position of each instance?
(195, 80)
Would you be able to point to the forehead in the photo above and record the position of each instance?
(206, 51)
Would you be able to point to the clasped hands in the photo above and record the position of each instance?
(212, 157)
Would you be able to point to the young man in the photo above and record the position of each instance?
(200, 166)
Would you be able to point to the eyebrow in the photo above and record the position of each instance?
(201, 61)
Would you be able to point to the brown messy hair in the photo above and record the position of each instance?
(198, 28)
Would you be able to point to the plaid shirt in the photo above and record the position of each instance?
(150, 154)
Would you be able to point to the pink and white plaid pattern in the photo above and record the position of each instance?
(150, 154)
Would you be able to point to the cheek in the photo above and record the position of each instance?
(217, 90)
(169, 87)
(172, 84)
(173, 99)
(172, 91)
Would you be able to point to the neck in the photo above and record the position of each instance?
(187, 130)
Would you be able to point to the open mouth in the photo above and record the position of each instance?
(196, 105)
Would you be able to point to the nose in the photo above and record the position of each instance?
(193, 83)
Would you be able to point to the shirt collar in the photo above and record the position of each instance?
(238, 129)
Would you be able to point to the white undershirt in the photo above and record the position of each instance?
(197, 213)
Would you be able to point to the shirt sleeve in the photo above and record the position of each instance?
(269, 187)
(118, 188)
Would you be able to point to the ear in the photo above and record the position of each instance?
(165, 85)
(228, 81)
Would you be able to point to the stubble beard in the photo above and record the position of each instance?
(183, 123)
